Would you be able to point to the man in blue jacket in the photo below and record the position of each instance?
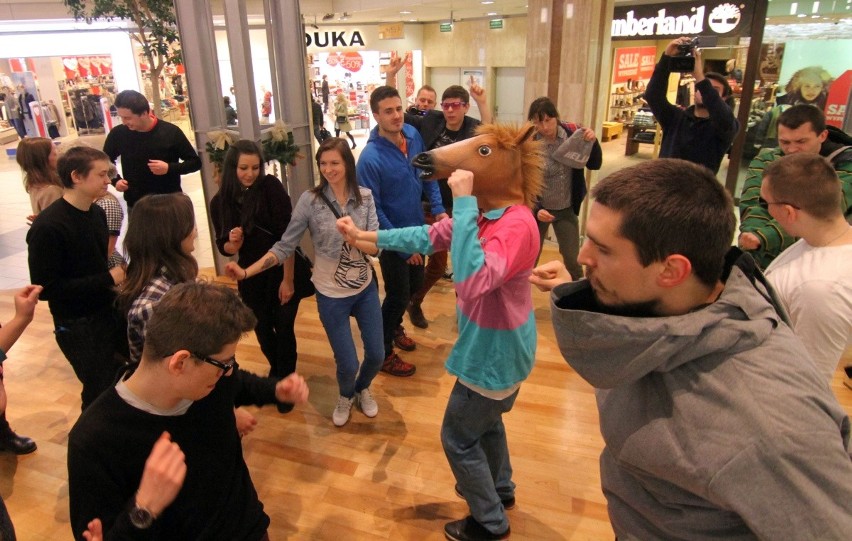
(703, 132)
(385, 168)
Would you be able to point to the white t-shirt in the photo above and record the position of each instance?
(815, 285)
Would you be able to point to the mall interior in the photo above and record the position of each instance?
(594, 58)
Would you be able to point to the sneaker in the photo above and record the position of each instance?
(467, 529)
(368, 403)
(395, 366)
(508, 503)
(402, 341)
(341, 412)
(415, 314)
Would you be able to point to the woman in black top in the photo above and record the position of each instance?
(251, 212)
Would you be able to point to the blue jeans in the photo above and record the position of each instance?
(474, 441)
(334, 314)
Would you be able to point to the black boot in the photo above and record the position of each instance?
(349, 134)
(11, 442)
(336, 132)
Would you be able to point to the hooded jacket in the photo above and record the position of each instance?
(717, 424)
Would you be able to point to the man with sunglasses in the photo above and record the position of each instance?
(182, 395)
(801, 129)
(439, 128)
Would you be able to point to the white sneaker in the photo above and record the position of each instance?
(368, 403)
(341, 412)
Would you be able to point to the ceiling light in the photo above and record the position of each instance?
(406, 12)
(491, 13)
(487, 2)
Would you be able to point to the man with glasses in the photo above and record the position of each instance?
(183, 394)
(813, 277)
(801, 128)
(440, 128)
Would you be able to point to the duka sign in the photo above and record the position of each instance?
(681, 19)
(334, 39)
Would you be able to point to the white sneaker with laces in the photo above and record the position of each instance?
(341, 412)
(368, 403)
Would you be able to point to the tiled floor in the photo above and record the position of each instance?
(15, 205)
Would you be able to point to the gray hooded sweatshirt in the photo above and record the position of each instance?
(716, 423)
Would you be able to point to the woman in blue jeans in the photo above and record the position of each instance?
(343, 277)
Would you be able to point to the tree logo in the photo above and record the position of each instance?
(724, 18)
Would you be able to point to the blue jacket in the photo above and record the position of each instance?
(395, 183)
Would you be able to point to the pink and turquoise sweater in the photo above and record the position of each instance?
(492, 256)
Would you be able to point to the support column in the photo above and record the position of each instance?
(285, 38)
(569, 59)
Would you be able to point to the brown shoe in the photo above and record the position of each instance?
(395, 366)
(415, 314)
(402, 341)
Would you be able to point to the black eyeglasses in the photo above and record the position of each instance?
(764, 204)
(225, 367)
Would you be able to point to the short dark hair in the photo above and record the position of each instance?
(200, 317)
(456, 91)
(807, 181)
(798, 115)
(226, 100)
(382, 93)
(78, 160)
(542, 107)
(133, 100)
(671, 206)
(719, 78)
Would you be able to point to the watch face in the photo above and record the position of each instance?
(141, 518)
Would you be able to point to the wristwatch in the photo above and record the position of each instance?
(141, 518)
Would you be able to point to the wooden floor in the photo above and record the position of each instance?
(382, 478)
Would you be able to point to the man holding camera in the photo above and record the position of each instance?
(703, 132)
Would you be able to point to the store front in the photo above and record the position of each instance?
(640, 34)
(65, 73)
(352, 59)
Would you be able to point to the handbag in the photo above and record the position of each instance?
(341, 119)
(302, 274)
(350, 273)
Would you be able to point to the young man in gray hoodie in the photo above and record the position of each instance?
(716, 424)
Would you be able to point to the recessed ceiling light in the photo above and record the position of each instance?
(491, 13)
(487, 2)
(406, 12)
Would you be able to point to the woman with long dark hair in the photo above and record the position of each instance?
(251, 212)
(345, 285)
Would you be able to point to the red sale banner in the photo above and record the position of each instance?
(409, 76)
(838, 96)
(633, 63)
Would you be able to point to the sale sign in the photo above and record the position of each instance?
(636, 63)
(351, 61)
(838, 97)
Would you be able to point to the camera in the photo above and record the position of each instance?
(415, 111)
(684, 62)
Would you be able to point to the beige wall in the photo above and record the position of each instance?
(472, 43)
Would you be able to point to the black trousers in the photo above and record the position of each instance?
(274, 329)
(401, 282)
(96, 347)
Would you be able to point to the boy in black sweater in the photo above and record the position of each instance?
(182, 395)
(68, 257)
